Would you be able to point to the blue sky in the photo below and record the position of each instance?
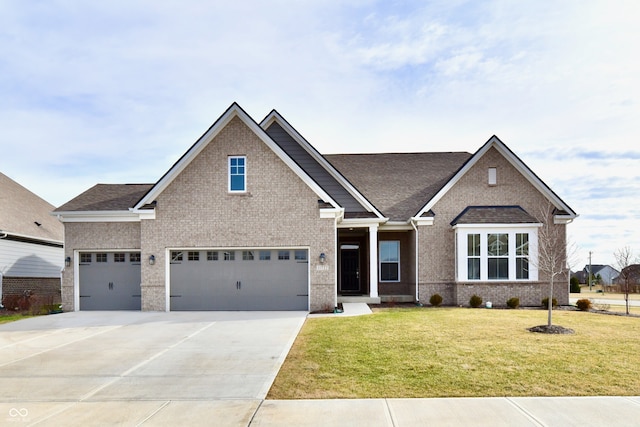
(115, 92)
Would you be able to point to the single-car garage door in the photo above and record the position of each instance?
(271, 279)
(109, 281)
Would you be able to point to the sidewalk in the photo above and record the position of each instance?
(492, 411)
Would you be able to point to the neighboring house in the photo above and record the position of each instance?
(252, 217)
(631, 274)
(31, 243)
(607, 274)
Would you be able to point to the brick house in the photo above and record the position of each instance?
(252, 217)
(31, 245)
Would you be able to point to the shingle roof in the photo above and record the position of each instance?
(494, 215)
(107, 197)
(398, 184)
(21, 211)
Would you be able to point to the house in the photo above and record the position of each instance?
(31, 243)
(253, 217)
(629, 276)
(606, 274)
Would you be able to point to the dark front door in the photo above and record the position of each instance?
(350, 268)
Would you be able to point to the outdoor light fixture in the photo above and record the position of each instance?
(323, 258)
(152, 259)
(67, 261)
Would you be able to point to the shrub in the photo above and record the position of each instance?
(475, 301)
(513, 302)
(545, 302)
(574, 286)
(583, 304)
(435, 300)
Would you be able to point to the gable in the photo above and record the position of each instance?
(233, 112)
(489, 155)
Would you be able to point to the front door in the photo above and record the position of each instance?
(350, 269)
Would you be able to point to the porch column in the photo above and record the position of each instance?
(373, 261)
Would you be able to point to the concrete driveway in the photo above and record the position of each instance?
(100, 368)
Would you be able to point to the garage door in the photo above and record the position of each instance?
(274, 279)
(110, 281)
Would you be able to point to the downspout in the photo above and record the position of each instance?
(417, 264)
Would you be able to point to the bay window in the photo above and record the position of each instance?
(496, 253)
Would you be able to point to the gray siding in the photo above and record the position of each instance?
(314, 169)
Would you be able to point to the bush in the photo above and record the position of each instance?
(574, 285)
(545, 302)
(513, 302)
(435, 300)
(583, 304)
(475, 301)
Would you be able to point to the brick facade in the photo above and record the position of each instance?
(437, 242)
(41, 287)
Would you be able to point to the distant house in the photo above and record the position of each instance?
(253, 217)
(31, 243)
(606, 273)
(632, 274)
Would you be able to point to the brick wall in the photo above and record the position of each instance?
(437, 242)
(46, 287)
(278, 210)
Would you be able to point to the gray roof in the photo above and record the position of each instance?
(494, 215)
(399, 184)
(21, 211)
(107, 197)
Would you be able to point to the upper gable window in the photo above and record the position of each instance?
(237, 174)
(493, 176)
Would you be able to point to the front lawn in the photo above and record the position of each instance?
(437, 352)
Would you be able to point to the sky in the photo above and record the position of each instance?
(117, 91)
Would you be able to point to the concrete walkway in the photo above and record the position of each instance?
(604, 300)
(215, 368)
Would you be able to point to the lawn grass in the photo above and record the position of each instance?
(6, 318)
(438, 352)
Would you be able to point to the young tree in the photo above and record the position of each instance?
(624, 258)
(553, 252)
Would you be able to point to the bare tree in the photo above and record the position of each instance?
(553, 251)
(624, 258)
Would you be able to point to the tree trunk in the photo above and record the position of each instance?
(550, 304)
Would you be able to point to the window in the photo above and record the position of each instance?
(229, 256)
(498, 253)
(265, 255)
(300, 255)
(493, 176)
(119, 257)
(247, 255)
(390, 261)
(193, 256)
(498, 256)
(237, 174)
(101, 257)
(85, 258)
(176, 256)
(522, 256)
(473, 257)
(212, 255)
(134, 257)
(283, 255)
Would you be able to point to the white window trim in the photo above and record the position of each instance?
(380, 262)
(229, 174)
(462, 231)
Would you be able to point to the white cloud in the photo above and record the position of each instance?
(117, 91)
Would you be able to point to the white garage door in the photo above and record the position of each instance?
(109, 281)
(252, 279)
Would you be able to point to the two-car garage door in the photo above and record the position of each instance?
(251, 279)
(260, 279)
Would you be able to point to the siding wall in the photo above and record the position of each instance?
(19, 259)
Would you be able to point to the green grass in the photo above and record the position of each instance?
(13, 317)
(436, 352)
